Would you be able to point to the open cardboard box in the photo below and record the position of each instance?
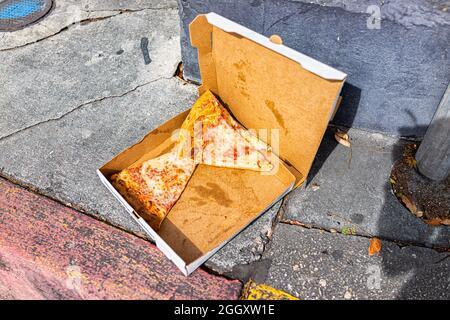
(264, 85)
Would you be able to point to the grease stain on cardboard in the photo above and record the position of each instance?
(271, 105)
(214, 192)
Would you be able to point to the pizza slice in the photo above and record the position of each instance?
(211, 136)
(153, 187)
(247, 134)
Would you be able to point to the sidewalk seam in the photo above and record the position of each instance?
(276, 220)
(400, 244)
(124, 10)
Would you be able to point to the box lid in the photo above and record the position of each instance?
(267, 85)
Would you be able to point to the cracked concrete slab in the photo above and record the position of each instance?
(62, 15)
(72, 101)
(67, 95)
(59, 158)
(87, 63)
(66, 13)
(349, 190)
(313, 264)
(248, 246)
(129, 5)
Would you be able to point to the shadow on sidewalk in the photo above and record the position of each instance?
(351, 96)
(424, 271)
(427, 279)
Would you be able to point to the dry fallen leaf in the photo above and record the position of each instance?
(342, 138)
(408, 155)
(341, 133)
(438, 221)
(409, 204)
(375, 246)
(411, 162)
(433, 222)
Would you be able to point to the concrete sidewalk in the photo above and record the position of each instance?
(79, 87)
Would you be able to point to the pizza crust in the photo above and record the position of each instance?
(153, 217)
(211, 136)
(153, 187)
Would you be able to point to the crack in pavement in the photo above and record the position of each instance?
(65, 28)
(124, 10)
(82, 106)
(443, 259)
(85, 21)
(267, 237)
(283, 19)
(400, 244)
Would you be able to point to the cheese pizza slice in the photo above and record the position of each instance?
(153, 187)
(211, 136)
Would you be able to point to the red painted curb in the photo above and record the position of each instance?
(49, 251)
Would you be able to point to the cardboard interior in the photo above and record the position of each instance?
(217, 202)
(152, 145)
(265, 89)
(265, 86)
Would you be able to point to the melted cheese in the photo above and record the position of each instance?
(217, 139)
(157, 183)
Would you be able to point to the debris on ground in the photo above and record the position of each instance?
(315, 187)
(254, 291)
(426, 199)
(342, 137)
(349, 231)
(375, 246)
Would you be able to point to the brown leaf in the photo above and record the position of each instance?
(438, 221)
(433, 222)
(342, 138)
(315, 187)
(411, 162)
(408, 155)
(375, 246)
(341, 133)
(409, 204)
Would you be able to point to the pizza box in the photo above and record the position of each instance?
(266, 86)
